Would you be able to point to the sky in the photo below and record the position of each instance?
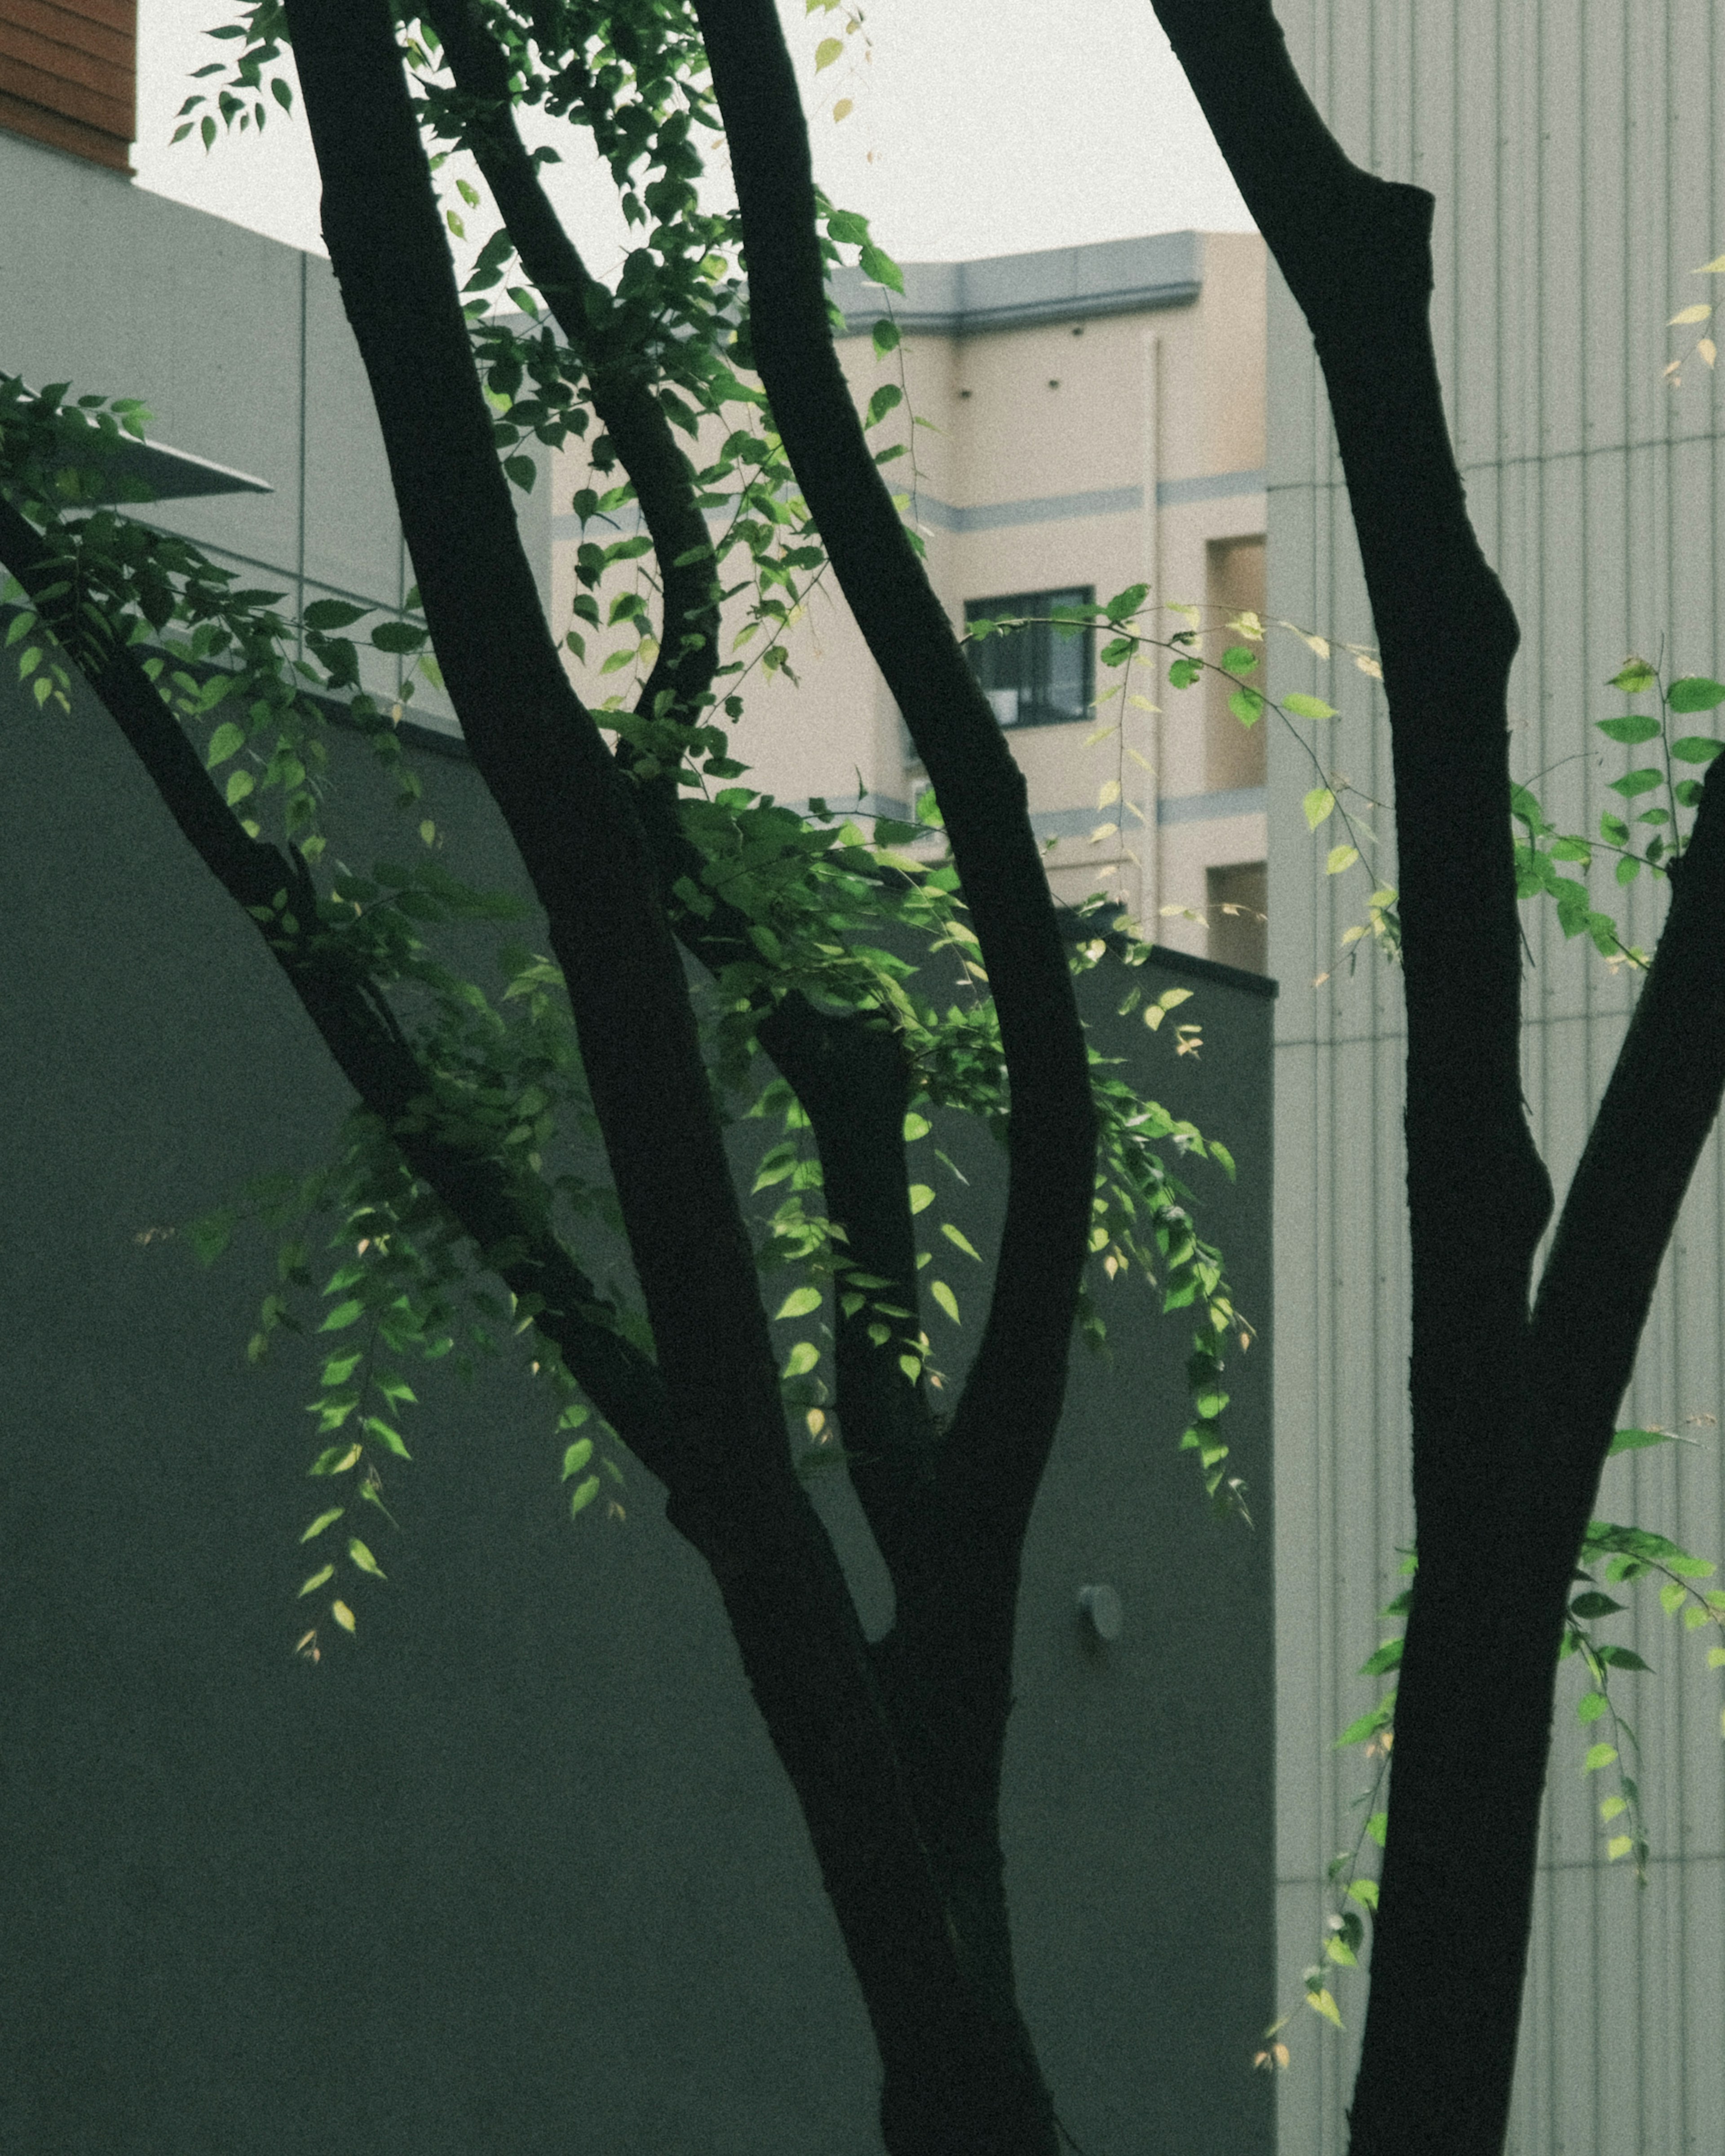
(976, 127)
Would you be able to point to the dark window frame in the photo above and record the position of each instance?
(1030, 651)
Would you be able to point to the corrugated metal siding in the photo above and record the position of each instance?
(1573, 152)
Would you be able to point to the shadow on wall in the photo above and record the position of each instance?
(518, 1871)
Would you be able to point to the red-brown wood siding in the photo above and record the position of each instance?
(68, 75)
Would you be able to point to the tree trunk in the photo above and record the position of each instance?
(900, 1798)
(1513, 1408)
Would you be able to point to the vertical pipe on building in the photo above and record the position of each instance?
(1149, 837)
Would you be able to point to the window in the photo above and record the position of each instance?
(1236, 900)
(1036, 675)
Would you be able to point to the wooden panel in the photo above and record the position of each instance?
(114, 42)
(59, 133)
(68, 75)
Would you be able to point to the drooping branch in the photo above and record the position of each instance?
(999, 1442)
(571, 811)
(619, 381)
(848, 1074)
(352, 1017)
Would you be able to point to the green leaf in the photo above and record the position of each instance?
(343, 1315)
(1671, 1597)
(1620, 1844)
(332, 614)
(576, 1457)
(882, 402)
(210, 1236)
(583, 1495)
(1695, 692)
(1637, 782)
(1388, 1657)
(1247, 705)
(390, 1439)
(916, 1126)
(1320, 2002)
(885, 337)
(1598, 1756)
(1590, 1708)
(801, 1360)
(1367, 1725)
(944, 1297)
(1696, 748)
(1307, 707)
(1594, 1604)
(1318, 805)
(336, 1461)
(827, 51)
(323, 1520)
(1612, 1806)
(1378, 1826)
(1636, 676)
(317, 1579)
(1635, 1440)
(398, 636)
(880, 267)
(364, 1559)
(1632, 727)
(956, 1235)
(1340, 858)
(798, 1303)
(228, 740)
(1124, 604)
(921, 1197)
(1365, 1890)
(239, 784)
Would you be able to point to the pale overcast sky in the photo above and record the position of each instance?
(977, 127)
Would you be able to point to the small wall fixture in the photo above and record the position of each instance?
(1102, 1605)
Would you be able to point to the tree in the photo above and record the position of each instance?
(1515, 1382)
(894, 1747)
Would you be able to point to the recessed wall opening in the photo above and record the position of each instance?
(1237, 907)
(1233, 755)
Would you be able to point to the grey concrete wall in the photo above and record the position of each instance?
(240, 349)
(1573, 154)
(518, 1870)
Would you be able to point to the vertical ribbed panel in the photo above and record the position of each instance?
(1573, 150)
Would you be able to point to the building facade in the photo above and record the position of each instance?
(1573, 155)
(1091, 417)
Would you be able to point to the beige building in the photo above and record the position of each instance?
(1094, 418)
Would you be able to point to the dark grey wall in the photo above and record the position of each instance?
(519, 1871)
